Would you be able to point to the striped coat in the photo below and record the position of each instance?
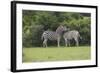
(53, 35)
(73, 34)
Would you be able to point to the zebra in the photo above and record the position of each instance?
(53, 35)
(72, 34)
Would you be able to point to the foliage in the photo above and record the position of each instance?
(35, 22)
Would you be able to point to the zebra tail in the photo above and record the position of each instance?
(42, 37)
(80, 36)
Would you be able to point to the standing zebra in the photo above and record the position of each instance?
(51, 35)
(69, 35)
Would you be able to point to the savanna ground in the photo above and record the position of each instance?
(40, 54)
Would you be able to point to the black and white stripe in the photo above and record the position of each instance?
(69, 35)
(51, 35)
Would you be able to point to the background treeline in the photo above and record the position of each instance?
(35, 22)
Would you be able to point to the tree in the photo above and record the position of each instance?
(35, 22)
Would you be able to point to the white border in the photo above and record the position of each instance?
(21, 65)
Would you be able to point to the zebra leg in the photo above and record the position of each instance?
(69, 43)
(76, 40)
(66, 41)
(58, 42)
(45, 43)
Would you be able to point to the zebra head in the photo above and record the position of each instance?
(61, 29)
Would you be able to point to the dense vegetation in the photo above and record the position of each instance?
(35, 22)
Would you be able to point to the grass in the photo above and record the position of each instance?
(38, 54)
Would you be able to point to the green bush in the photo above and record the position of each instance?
(35, 22)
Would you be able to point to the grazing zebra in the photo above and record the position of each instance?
(53, 35)
(69, 35)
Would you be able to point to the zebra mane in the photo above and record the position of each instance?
(60, 29)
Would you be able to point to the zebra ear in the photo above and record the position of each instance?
(60, 25)
(63, 24)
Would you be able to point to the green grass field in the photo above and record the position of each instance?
(40, 54)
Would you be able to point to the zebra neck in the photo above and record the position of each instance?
(59, 33)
